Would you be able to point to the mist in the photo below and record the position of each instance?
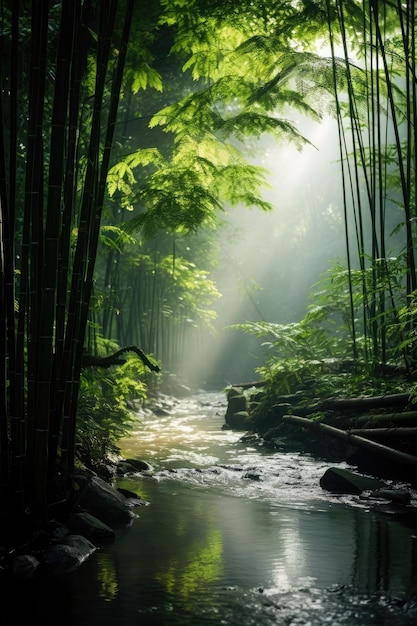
(268, 262)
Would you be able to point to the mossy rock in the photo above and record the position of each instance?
(239, 420)
(232, 392)
(237, 404)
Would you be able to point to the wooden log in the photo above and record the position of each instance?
(365, 402)
(384, 432)
(256, 383)
(360, 442)
(403, 417)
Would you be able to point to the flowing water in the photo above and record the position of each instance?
(235, 534)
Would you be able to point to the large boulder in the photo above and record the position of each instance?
(91, 528)
(68, 555)
(233, 392)
(238, 421)
(339, 480)
(132, 466)
(25, 566)
(237, 412)
(103, 501)
(97, 509)
(236, 403)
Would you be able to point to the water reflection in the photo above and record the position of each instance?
(197, 556)
(385, 557)
(108, 586)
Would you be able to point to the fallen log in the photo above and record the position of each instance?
(365, 402)
(403, 417)
(256, 383)
(360, 442)
(395, 433)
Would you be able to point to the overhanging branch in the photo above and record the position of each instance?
(90, 360)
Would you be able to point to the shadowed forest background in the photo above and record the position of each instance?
(222, 190)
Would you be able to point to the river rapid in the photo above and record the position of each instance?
(234, 534)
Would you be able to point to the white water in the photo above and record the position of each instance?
(189, 445)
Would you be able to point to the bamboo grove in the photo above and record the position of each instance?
(53, 177)
(377, 120)
(124, 136)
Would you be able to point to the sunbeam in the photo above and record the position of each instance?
(270, 260)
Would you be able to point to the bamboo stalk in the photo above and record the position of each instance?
(346, 175)
(4, 260)
(404, 417)
(411, 266)
(9, 381)
(63, 311)
(93, 200)
(398, 432)
(76, 320)
(47, 360)
(37, 422)
(365, 402)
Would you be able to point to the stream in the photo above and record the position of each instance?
(234, 534)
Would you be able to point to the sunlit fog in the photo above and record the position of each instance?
(269, 261)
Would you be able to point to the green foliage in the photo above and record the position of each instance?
(311, 349)
(407, 316)
(115, 238)
(144, 77)
(192, 291)
(121, 177)
(105, 411)
(379, 289)
(188, 190)
(248, 73)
